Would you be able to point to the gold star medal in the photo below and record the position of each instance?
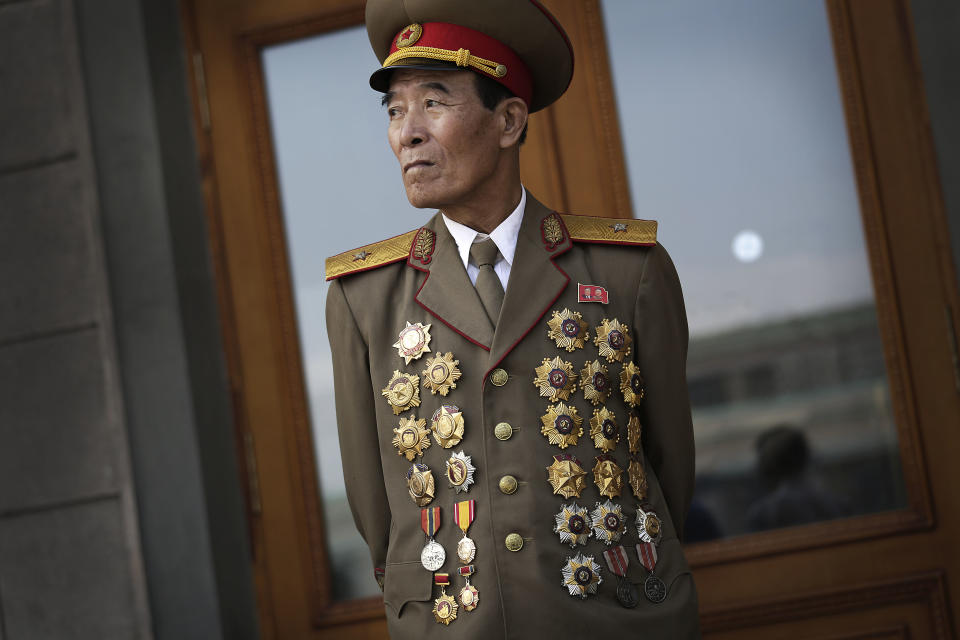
(572, 525)
(608, 522)
(581, 575)
(638, 479)
(566, 476)
(568, 329)
(413, 341)
(604, 429)
(595, 383)
(420, 484)
(634, 433)
(444, 607)
(447, 425)
(555, 379)
(411, 437)
(608, 476)
(631, 384)
(561, 425)
(648, 525)
(402, 392)
(460, 471)
(613, 339)
(441, 374)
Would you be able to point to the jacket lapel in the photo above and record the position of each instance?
(447, 292)
(535, 281)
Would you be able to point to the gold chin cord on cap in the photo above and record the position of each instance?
(460, 57)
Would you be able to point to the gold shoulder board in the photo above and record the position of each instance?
(370, 256)
(611, 230)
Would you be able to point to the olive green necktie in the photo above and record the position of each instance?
(488, 285)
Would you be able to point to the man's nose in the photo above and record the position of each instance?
(413, 131)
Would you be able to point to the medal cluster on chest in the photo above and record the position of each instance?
(411, 438)
(599, 379)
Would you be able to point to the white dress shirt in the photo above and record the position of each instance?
(504, 236)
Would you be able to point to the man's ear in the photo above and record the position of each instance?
(513, 117)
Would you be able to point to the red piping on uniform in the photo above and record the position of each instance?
(437, 315)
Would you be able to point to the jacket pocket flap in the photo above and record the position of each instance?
(406, 582)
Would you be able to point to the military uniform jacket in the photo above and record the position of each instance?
(375, 293)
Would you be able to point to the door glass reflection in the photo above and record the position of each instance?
(735, 141)
(340, 188)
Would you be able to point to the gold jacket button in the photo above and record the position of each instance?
(498, 377)
(503, 431)
(508, 485)
(514, 542)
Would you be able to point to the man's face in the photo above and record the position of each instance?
(444, 138)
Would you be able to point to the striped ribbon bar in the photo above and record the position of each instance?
(617, 560)
(430, 520)
(442, 579)
(468, 570)
(464, 514)
(647, 552)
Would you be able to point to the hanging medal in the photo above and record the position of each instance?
(463, 514)
(433, 555)
(444, 607)
(469, 597)
(653, 587)
(617, 561)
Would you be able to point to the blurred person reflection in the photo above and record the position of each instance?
(793, 496)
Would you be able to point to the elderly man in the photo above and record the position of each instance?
(510, 381)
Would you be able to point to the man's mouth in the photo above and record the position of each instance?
(415, 164)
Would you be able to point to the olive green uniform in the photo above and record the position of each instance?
(420, 278)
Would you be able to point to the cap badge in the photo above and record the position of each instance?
(409, 36)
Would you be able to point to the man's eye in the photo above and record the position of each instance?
(430, 102)
(392, 112)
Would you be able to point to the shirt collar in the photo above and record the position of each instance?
(504, 236)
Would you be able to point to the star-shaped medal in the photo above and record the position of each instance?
(613, 339)
(581, 575)
(608, 476)
(608, 522)
(568, 329)
(402, 392)
(447, 425)
(441, 374)
(604, 429)
(595, 383)
(413, 341)
(631, 384)
(420, 484)
(638, 479)
(555, 379)
(561, 425)
(572, 524)
(634, 433)
(411, 437)
(648, 526)
(566, 476)
(460, 471)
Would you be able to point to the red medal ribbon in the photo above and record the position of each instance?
(430, 520)
(468, 570)
(442, 579)
(464, 513)
(617, 560)
(647, 552)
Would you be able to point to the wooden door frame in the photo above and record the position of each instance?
(579, 136)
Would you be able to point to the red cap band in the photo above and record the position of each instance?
(457, 44)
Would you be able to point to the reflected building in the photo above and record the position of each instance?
(821, 373)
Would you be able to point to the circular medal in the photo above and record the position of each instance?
(402, 392)
(445, 609)
(627, 593)
(441, 374)
(654, 589)
(469, 597)
(413, 341)
(420, 484)
(433, 556)
(466, 550)
(567, 329)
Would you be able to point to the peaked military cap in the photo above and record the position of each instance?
(517, 43)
